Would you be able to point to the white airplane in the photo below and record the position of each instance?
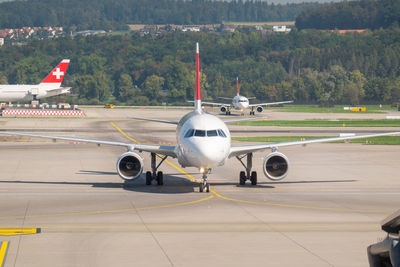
(203, 142)
(241, 103)
(50, 86)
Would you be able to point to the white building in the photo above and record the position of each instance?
(191, 29)
(280, 28)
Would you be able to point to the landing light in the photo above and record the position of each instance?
(201, 170)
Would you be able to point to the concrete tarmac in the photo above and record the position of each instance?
(325, 213)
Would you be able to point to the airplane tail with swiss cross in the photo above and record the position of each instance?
(56, 76)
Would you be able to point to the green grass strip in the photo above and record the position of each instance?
(324, 123)
(334, 109)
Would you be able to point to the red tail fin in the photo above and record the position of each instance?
(56, 76)
(237, 85)
(197, 100)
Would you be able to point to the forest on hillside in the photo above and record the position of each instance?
(305, 66)
(362, 14)
(115, 14)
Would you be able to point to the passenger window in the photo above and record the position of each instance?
(221, 133)
(212, 133)
(189, 133)
(200, 133)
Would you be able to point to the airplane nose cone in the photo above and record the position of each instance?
(211, 155)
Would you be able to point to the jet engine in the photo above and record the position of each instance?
(223, 109)
(276, 166)
(259, 109)
(129, 166)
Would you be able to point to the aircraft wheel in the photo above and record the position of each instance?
(242, 178)
(208, 188)
(201, 187)
(253, 178)
(149, 177)
(160, 178)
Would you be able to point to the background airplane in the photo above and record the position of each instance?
(241, 103)
(50, 86)
(203, 142)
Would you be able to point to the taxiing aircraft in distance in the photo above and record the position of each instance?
(203, 142)
(50, 86)
(241, 103)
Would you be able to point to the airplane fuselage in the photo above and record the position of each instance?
(240, 102)
(204, 141)
(23, 92)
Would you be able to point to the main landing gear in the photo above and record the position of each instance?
(248, 175)
(204, 185)
(228, 112)
(252, 112)
(154, 175)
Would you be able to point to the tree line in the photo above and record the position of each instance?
(305, 66)
(364, 14)
(115, 14)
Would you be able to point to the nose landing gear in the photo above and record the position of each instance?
(248, 175)
(205, 185)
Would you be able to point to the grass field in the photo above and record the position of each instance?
(324, 123)
(334, 109)
(382, 140)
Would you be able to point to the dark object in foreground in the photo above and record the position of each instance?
(387, 252)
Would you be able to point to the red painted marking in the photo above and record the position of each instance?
(57, 74)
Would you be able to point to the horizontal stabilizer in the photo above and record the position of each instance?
(155, 120)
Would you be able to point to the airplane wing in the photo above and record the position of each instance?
(163, 150)
(271, 104)
(213, 103)
(156, 120)
(226, 98)
(240, 150)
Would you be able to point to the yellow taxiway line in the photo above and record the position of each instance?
(222, 227)
(19, 231)
(295, 206)
(255, 202)
(3, 252)
(167, 161)
(110, 211)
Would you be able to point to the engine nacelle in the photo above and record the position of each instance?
(275, 166)
(259, 109)
(223, 109)
(129, 166)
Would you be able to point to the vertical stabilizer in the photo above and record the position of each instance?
(56, 76)
(237, 85)
(197, 100)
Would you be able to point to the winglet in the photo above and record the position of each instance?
(197, 106)
(56, 76)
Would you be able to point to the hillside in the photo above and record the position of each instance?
(115, 14)
(307, 66)
(365, 14)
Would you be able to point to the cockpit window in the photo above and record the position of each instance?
(212, 133)
(200, 133)
(221, 133)
(189, 133)
(243, 100)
